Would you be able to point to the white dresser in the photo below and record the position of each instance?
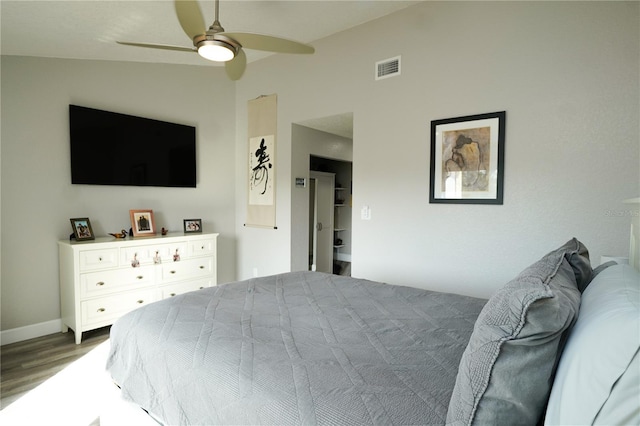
(102, 279)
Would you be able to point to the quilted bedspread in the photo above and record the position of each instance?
(296, 348)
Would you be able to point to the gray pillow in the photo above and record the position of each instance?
(507, 369)
(578, 257)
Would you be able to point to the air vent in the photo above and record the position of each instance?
(388, 68)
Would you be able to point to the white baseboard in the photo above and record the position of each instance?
(30, 331)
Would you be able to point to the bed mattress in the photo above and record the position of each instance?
(295, 348)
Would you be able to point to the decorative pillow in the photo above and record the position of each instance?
(506, 371)
(598, 378)
(579, 260)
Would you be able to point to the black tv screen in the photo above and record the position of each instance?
(109, 148)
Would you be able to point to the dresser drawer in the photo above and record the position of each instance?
(107, 309)
(202, 247)
(145, 254)
(100, 283)
(186, 269)
(91, 260)
(171, 290)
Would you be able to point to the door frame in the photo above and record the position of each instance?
(322, 245)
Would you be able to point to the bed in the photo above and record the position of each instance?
(313, 348)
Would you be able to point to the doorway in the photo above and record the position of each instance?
(328, 138)
(321, 192)
(330, 211)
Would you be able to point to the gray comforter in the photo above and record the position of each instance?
(296, 348)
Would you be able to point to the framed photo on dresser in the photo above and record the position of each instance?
(192, 225)
(82, 229)
(142, 223)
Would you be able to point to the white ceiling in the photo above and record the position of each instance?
(89, 29)
(340, 124)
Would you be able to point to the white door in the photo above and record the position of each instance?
(323, 221)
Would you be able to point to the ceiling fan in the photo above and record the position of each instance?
(215, 44)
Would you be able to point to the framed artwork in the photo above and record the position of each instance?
(467, 159)
(82, 229)
(192, 225)
(142, 223)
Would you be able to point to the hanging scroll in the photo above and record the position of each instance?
(261, 199)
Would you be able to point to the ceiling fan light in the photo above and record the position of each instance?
(216, 50)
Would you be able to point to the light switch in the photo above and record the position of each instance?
(365, 213)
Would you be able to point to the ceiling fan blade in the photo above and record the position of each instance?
(269, 43)
(235, 67)
(190, 17)
(159, 46)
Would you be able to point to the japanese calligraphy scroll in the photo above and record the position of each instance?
(261, 199)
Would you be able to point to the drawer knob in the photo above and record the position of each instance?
(140, 302)
(100, 283)
(202, 248)
(100, 259)
(139, 277)
(101, 309)
(172, 294)
(172, 272)
(201, 267)
(201, 288)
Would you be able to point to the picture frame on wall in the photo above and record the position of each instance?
(467, 159)
(192, 225)
(142, 223)
(82, 229)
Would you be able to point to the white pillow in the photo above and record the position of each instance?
(598, 379)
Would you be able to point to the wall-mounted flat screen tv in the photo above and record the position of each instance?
(109, 148)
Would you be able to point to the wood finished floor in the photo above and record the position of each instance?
(24, 365)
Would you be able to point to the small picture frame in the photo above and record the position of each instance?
(142, 223)
(192, 225)
(82, 229)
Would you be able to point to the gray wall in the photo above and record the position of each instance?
(567, 74)
(37, 195)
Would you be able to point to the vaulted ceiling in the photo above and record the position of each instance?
(89, 29)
